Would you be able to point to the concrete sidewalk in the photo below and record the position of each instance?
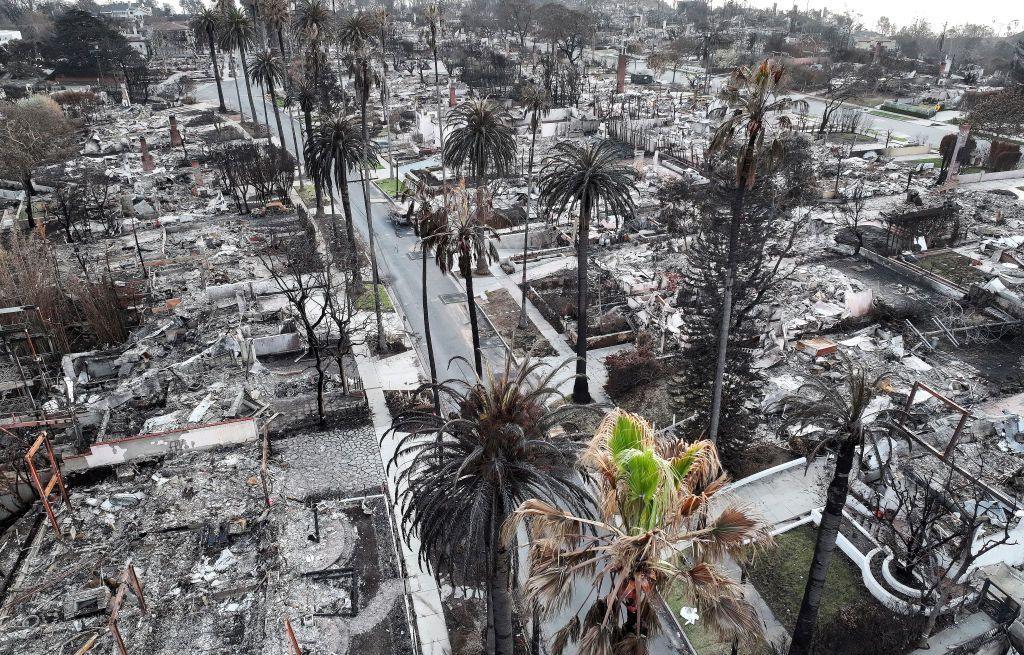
(421, 586)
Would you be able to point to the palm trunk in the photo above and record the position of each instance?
(280, 42)
(238, 92)
(825, 545)
(216, 73)
(248, 87)
(350, 232)
(277, 114)
(466, 265)
(426, 334)
(581, 388)
(523, 321)
(501, 599)
(308, 117)
(381, 343)
(295, 143)
(266, 114)
(437, 98)
(747, 169)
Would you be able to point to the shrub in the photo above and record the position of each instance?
(630, 369)
(75, 103)
(910, 110)
(1004, 156)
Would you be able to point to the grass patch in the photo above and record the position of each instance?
(889, 114)
(927, 160)
(953, 266)
(781, 574)
(365, 301)
(703, 640)
(308, 194)
(392, 187)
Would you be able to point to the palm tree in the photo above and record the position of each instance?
(303, 92)
(463, 474)
(463, 240)
(480, 143)
(205, 24)
(267, 69)
(356, 34)
(748, 99)
(313, 18)
(536, 100)
(586, 175)
(654, 531)
(429, 223)
(435, 19)
(237, 33)
(275, 14)
(840, 413)
(337, 147)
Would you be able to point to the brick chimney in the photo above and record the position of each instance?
(175, 134)
(620, 75)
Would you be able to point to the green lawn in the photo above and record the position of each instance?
(927, 160)
(392, 187)
(365, 301)
(781, 573)
(308, 194)
(889, 114)
(703, 640)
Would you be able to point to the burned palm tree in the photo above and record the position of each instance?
(749, 99)
(655, 530)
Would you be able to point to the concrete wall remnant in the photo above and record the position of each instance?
(204, 437)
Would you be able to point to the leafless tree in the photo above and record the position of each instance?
(851, 216)
(299, 274)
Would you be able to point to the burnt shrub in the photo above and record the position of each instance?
(630, 369)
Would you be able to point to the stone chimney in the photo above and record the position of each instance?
(147, 159)
(620, 74)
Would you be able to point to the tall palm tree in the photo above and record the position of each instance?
(267, 69)
(430, 223)
(463, 240)
(435, 23)
(338, 148)
(586, 175)
(205, 24)
(654, 531)
(275, 14)
(480, 143)
(313, 18)
(303, 92)
(536, 100)
(748, 100)
(356, 34)
(236, 33)
(840, 412)
(464, 473)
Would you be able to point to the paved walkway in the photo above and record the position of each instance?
(956, 635)
(421, 586)
(784, 495)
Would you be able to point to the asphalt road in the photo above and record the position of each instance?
(449, 316)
